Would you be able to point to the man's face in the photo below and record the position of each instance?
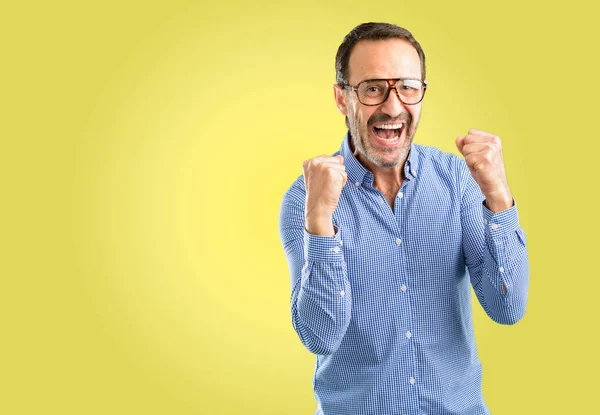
(382, 59)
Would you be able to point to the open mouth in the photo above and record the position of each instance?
(388, 132)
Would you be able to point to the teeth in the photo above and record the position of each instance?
(389, 126)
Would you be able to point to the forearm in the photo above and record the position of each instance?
(322, 298)
(501, 280)
(321, 306)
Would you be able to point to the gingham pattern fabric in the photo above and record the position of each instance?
(385, 304)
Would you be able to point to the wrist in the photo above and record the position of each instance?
(499, 203)
(319, 225)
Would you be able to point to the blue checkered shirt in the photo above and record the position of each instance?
(385, 304)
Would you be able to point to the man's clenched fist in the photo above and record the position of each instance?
(324, 178)
(483, 153)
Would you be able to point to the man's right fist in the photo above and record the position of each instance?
(324, 178)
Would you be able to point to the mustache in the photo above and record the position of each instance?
(380, 117)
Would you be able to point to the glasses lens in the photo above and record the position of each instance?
(410, 90)
(372, 92)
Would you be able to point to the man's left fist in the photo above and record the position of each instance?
(483, 153)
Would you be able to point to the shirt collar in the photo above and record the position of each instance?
(359, 174)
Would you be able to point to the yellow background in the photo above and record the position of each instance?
(145, 151)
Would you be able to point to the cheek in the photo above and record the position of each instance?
(363, 115)
(354, 115)
(360, 115)
(415, 113)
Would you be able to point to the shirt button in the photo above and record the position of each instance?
(411, 381)
(501, 269)
(403, 287)
(336, 249)
(408, 334)
(495, 226)
(357, 184)
(400, 195)
(398, 241)
(342, 293)
(485, 221)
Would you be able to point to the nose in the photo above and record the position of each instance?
(392, 106)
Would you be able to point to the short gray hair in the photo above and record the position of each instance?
(372, 31)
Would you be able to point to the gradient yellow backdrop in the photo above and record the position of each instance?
(145, 151)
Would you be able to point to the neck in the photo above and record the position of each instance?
(384, 177)
(387, 180)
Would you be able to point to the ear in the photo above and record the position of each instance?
(340, 99)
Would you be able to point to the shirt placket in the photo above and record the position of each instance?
(408, 361)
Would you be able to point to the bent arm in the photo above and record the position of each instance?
(321, 297)
(495, 253)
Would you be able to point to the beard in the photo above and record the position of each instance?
(377, 156)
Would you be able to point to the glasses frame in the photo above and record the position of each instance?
(392, 84)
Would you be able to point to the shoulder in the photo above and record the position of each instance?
(432, 158)
(295, 194)
(435, 155)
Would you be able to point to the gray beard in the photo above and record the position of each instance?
(358, 141)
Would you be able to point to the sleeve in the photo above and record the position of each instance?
(495, 250)
(321, 298)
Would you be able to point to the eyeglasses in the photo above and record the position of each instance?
(375, 91)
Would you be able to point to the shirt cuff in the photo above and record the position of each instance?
(501, 223)
(323, 248)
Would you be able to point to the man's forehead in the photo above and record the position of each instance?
(390, 58)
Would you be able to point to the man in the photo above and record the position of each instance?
(384, 238)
